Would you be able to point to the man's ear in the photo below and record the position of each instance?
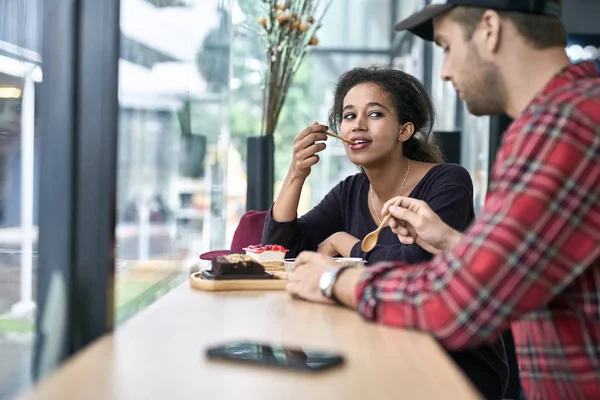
(490, 31)
(406, 131)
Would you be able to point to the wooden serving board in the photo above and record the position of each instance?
(199, 283)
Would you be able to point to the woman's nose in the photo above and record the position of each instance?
(358, 124)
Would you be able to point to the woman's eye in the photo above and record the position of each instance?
(349, 116)
(375, 114)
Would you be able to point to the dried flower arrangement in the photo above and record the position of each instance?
(289, 29)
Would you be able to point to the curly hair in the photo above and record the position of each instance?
(411, 102)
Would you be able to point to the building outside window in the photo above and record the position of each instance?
(20, 137)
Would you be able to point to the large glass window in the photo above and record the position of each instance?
(191, 75)
(20, 75)
(353, 33)
(173, 147)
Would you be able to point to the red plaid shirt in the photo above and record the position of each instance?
(532, 260)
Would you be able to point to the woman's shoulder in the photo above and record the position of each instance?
(448, 173)
(443, 177)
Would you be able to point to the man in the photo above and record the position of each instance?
(532, 260)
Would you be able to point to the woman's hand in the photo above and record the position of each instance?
(306, 146)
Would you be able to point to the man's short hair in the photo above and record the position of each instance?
(541, 31)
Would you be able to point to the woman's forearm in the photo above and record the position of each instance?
(344, 242)
(285, 208)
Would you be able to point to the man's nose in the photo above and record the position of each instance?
(446, 72)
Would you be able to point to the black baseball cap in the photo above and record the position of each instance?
(421, 22)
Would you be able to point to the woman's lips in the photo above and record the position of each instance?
(361, 143)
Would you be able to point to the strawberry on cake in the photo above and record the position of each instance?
(269, 256)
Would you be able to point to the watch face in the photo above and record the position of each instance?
(325, 282)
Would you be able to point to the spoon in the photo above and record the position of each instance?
(369, 242)
(333, 135)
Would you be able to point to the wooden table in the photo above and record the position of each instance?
(159, 354)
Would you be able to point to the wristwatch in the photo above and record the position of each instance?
(328, 279)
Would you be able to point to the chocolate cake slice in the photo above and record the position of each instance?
(236, 266)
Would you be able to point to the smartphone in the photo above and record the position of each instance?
(275, 356)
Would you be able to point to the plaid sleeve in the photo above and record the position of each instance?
(539, 230)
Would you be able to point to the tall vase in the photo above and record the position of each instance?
(260, 163)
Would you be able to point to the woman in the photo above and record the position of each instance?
(389, 115)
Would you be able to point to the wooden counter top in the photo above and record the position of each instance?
(159, 354)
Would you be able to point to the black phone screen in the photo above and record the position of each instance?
(276, 356)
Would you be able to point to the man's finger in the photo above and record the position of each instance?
(406, 239)
(388, 204)
(292, 288)
(402, 214)
(304, 257)
(408, 203)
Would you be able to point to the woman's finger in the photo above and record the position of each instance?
(309, 162)
(310, 151)
(311, 138)
(315, 127)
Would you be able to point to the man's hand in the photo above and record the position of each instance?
(414, 222)
(307, 270)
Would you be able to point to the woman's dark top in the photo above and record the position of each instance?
(448, 190)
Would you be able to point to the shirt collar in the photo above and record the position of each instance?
(570, 73)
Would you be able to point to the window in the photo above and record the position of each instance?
(20, 75)
(173, 146)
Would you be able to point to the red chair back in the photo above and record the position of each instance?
(249, 231)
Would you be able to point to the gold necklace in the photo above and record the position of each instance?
(401, 189)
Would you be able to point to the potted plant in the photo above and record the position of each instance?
(288, 29)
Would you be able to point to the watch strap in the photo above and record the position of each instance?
(334, 280)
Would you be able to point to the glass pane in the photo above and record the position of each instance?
(173, 143)
(475, 150)
(363, 24)
(20, 75)
(406, 7)
(443, 95)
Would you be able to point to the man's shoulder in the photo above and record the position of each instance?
(579, 97)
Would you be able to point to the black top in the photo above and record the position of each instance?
(448, 190)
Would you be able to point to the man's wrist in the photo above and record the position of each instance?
(344, 288)
(454, 238)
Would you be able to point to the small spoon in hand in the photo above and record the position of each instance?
(333, 135)
(369, 242)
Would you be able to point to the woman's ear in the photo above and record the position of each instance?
(406, 131)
